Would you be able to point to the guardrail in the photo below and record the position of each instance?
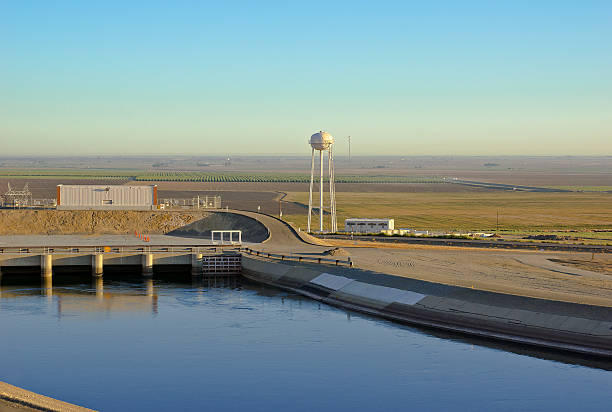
(338, 262)
(47, 250)
(494, 244)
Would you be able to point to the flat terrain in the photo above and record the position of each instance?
(545, 275)
(584, 215)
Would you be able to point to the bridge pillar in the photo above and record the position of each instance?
(97, 264)
(196, 264)
(46, 266)
(147, 264)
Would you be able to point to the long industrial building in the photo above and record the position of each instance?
(105, 197)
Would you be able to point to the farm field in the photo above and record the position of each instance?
(411, 190)
(575, 215)
(206, 177)
(568, 172)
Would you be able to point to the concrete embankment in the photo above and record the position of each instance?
(565, 326)
(13, 398)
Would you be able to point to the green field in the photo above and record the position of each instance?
(146, 176)
(277, 178)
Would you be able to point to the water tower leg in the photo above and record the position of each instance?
(321, 192)
(310, 195)
(332, 189)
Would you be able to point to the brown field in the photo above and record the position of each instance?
(518, 211)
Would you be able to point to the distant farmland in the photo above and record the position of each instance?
(209, 177)
(277, 177)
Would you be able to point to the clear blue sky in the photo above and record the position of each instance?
(435, 77)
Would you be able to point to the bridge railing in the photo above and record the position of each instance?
(307, 259)
(80, 249)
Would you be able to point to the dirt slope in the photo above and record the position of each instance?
(54, 222)
(252, 230)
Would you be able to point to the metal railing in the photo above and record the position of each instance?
(67, 249)
(307, 259)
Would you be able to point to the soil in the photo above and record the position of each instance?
(336, 252)
(593, 265)
(58, 222)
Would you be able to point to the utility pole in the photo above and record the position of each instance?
(497, 231)
(349, 139)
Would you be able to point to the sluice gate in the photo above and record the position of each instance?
(227, 264)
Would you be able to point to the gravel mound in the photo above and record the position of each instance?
(336, 252)
(79, 222)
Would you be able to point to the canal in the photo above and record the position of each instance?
(227, 344)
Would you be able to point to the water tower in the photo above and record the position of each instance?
(322, 141)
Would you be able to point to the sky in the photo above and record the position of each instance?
(234, 77)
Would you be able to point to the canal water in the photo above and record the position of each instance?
(227, 344)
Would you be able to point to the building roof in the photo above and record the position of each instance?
(366, 219)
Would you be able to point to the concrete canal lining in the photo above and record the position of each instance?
(13, 398)
(565, 326)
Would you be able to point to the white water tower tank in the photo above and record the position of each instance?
(321, 140)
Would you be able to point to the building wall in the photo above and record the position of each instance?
(106, 197)
(368, 225)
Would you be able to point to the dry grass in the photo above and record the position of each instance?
(518, 211)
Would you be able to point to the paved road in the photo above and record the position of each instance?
(502, 186)
(520, 272)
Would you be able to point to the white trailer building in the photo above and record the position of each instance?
(105, 197)
(363, 225)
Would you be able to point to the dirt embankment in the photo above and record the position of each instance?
(58, 222)
(252, 230)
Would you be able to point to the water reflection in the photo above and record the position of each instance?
(78, 298)
(98, 283)
(46, 286)
(70, 297)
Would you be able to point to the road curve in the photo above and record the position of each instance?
(282, 235)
